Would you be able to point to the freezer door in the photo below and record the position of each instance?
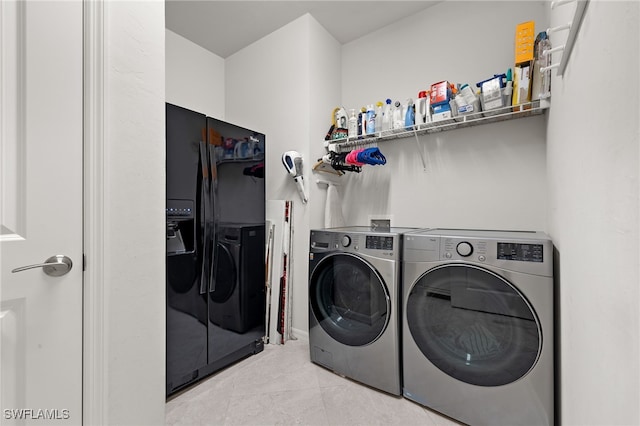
(186, 301)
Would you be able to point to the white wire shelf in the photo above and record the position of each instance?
(528, 109)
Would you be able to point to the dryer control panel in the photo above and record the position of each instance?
(376, 245)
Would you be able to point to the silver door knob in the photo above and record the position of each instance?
(55, 266)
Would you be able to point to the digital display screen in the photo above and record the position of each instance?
(379, 243)
(521, 252)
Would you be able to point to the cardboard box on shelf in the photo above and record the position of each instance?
(524, 41)
(522, 84)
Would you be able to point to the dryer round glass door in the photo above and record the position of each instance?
(349, 299)
(473, 325)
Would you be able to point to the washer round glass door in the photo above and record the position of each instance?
(349, 299)
(473, 325)
(226, 275)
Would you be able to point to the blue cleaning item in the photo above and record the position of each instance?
(371, 156)
(410, 115)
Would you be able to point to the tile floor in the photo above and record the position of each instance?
(280, 386)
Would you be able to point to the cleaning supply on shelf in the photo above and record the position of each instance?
(453, 106)
(522, 84)
(341, 118)
(492, 93)
(379, 117)
(360, 124)
(441, 112)
(466, 101)
(386, 116)
(421, 106)
(541, 81)
(409, 114)
(467, 95)
(440, 93)
(371, 121)
(398, 118)
(352, 125)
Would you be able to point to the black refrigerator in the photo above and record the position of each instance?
(215, 268)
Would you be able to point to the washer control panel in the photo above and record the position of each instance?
(464, 249)
(455, 248)
(521, 251)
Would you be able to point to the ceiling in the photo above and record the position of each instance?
(225, 27)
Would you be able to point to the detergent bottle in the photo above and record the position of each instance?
(341, 118)
(421, 109)
(371, 121)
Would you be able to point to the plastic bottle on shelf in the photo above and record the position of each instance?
(409, 114)
(468, 97)
(363, 118)
(379, 114)
(371, 121)
(420, 109)
(398, 118)
(341, 118)
(360, 124)
(353, 124)
(543, 61)
(386, 116)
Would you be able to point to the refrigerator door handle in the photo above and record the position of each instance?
(206, 218)
(213, 161)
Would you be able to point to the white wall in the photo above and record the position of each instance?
(593, 161)
(276, 86)
(194, 77)
(491, 176)
(134, 219)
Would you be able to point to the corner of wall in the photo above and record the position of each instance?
(195, 77)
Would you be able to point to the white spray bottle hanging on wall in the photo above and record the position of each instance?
(292, 161)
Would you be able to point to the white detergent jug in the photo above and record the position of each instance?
(421, 106)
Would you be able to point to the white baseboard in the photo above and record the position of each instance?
(300, 334)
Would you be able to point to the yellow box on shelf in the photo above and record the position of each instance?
(524, 41)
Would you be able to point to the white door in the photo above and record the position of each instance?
(41, 72)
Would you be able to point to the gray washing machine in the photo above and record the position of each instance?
(354, 296)
(478, 325)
